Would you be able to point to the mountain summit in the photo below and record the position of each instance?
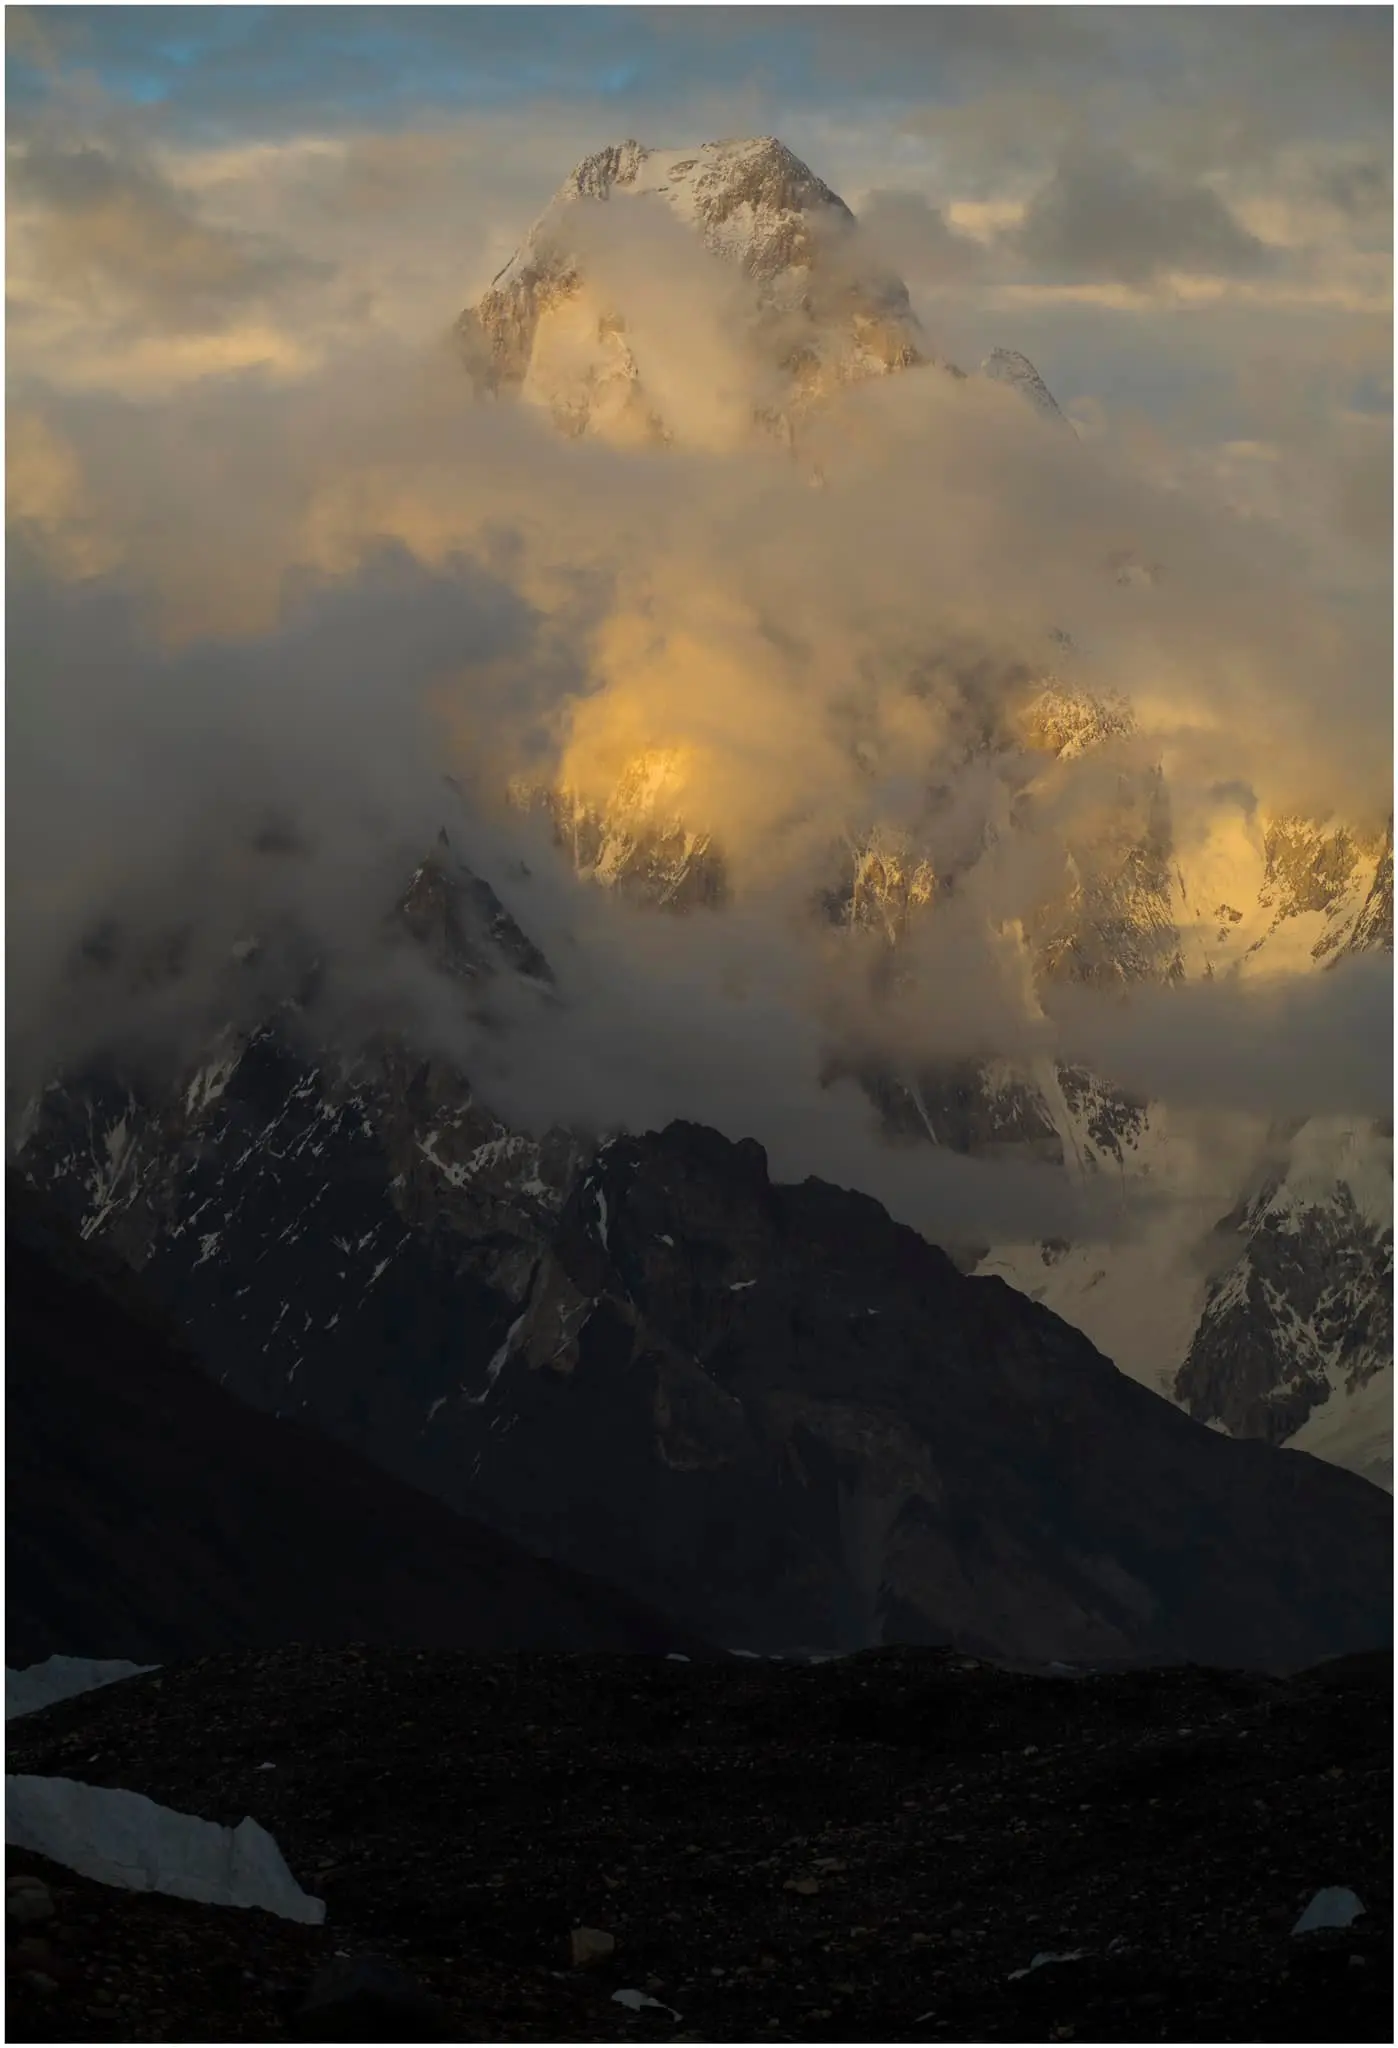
(779, 303)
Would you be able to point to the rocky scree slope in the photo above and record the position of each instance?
(874, 1849)
(150, 1514)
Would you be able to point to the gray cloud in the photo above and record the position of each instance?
(1297, 1046)
(142, 775)
(1361, 189)
(1364, 495)
(1103, 218)
(964, 44)
(915, 239)
(112, 220)
(144, 780)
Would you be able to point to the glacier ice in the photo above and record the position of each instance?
(1335, 1906)
(63, 1678)
(124, 1839)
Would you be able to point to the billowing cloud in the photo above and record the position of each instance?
(916, 241)
(1289, 1047)
(1359, 187)
(109, 222)
(1103, 218)
(392, 580)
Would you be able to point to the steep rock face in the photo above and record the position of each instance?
(986, 1110)
(1372, 930)
(298, 1202)
(1115, 925)
(1302, 1317)
(1294, 1342)
(556, 327)
(1109, 923)
(769, 1412)
(150, 1515)
(1326, 888)
(284, 1194)
(779, 1414)
(1068, 723)
(638, 841)
(461, 924)
(1300, 1266)
(286, 1199)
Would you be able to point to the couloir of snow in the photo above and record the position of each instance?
(1354, 1430)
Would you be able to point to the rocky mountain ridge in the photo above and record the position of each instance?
(151, 1515)
(613, 1356)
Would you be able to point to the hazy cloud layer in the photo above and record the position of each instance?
(441, 587)
(1295, 1046)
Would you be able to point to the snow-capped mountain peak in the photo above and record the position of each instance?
(752, 201)
(562, 327)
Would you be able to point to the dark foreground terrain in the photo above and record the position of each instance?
(867, 1849)
(149, 1515)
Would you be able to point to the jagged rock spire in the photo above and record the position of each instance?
(1008, 366)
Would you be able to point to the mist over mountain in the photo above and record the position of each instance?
(699, 1099)
(831, 749)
